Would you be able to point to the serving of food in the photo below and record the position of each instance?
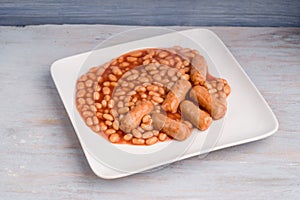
(151, 95)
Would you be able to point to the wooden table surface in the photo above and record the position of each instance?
(41, 157)
(155, 12)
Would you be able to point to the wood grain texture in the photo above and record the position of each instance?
(41, 157)
(158, 13)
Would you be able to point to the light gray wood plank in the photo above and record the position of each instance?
(158, 13)
(41, 157)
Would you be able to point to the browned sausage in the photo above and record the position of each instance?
(133, 118)
(199, 70)
(216, 107)
(176, 95)
(175, 129)
(195, 115)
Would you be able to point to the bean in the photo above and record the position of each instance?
(124, 64)
(131, 85)
(161, 91)
(153, 72)
(171, 62)
(140, 89)
(89, 101)
(155, 132)
(108, 123)
(132, 77)
(151, 140)
(103, 126)
(93, 108)
(112, 77)
(213, 90)
(116, 125)
(127, 137)
(143, 79)
(163, 73)
(171, 72)
(97, 88)
(136, 54)
(122, 97)
(106, 97)
(100, 71)
(92, 76)
(186, 63)
(143, 95)
(104, 103)
(81, 93)
(157, 99)
(147, 135)
(123, 110)
(114, 113)
(146, 127)
(138, 141)
(146, 62)
(106, 90)
(110, 131)
(96, 128)
(119, 93)
(87, 114)
(152, 88)
(80, 85)
(131, 59)
(89, 83)
(136, 133)
(174, 78)
(116, 70)
(106, 84)
(110, 103)
(95, 120)
(162, 136)
(178, 65)
(108, 117)
(163, 54)
(220, 86)
(146, 119)
(83, 78)
(131, 93)
(120, 104)
(99, 115)
(151, 93)
(89, 121)
(185, 77)
(96, 96)
(164, 62)
(134, 100)
(157, 77)
(114, 138)
(84, 107)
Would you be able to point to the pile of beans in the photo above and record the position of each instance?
(106, 93)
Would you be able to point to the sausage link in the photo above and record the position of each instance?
(195, 115)
(175, 129)
(133, 118)
(176, 95)
(216, 107)
(199, 70)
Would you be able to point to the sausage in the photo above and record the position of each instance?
(175, 129)
(133, 118)
(176, 95)
(216, 107)
(201, 95)
(199, 70)
(195, 115)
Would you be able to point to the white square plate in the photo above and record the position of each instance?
(248, 118)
